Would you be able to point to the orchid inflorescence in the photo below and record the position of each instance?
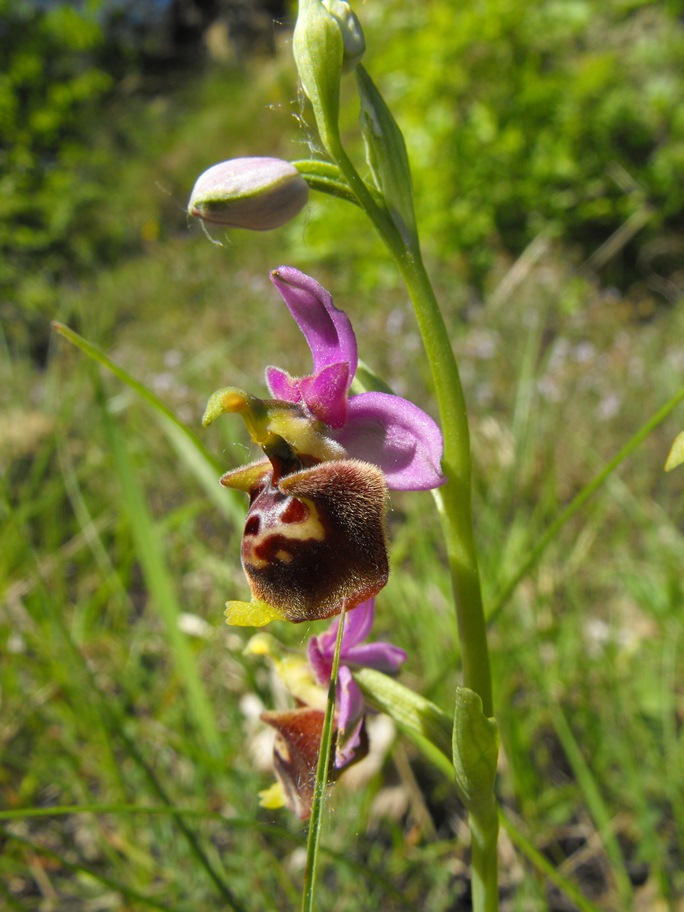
(314, 537)
(314, 544)
(314, 540)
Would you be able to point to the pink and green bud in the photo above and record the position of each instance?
(255, 193)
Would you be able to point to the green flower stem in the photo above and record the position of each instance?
(484, 834)
(454, 498)
(321, 785)
(454, 503)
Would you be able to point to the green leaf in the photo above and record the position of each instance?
(418, 718)
(475, 751)
(386, 156)
(676, 455)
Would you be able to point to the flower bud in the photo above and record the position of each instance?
(255, 193)
(351, 31)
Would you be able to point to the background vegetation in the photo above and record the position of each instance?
(547, 141)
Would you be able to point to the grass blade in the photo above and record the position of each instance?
(578, 502)
(545, 867)
(150, 551)
(321, 786)
(127, 892)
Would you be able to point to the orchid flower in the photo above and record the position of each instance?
(354, 653)
(314, 537)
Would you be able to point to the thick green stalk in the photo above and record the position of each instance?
(454, 501)
(454, 498)
(484, 834)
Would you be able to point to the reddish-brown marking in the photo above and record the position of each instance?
(295, 512)
(252, 526)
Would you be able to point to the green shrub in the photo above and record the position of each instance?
(525, 116)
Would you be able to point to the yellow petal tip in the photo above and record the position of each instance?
(272, 797)
(676, 455)
(250, 614)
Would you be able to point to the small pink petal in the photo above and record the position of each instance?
(381, 656)
(282, 386)
(325, 394)
(397, 436)
(350, 711)
(327, 330)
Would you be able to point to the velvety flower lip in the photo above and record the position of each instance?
(354, 653)
(380, 428)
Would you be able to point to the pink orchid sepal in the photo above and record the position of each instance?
(376, 427)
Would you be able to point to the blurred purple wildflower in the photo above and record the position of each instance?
(354, 653)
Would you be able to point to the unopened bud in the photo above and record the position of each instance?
(352, 33)
(255, 193)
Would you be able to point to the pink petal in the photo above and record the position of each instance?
(326, 394)
(282, 385)
(327, 329)
(358, 624)
(320, 653)
(385, 657)
(350, 710)
(397, 436)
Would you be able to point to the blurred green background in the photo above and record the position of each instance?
(547, 143)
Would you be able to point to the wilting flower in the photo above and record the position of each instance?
(297, 743)
(295, 757)
(314, 537)
(255, 193)
(354, 653)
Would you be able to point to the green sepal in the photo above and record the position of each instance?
(366, 381)
(318, 49)
(387, 157)
(245, 478)
(475, 752)
(234, 401)
(676, 455)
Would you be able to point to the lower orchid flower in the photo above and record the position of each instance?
(297, 743)
(354, 653)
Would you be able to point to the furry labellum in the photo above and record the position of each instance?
(313, 540)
